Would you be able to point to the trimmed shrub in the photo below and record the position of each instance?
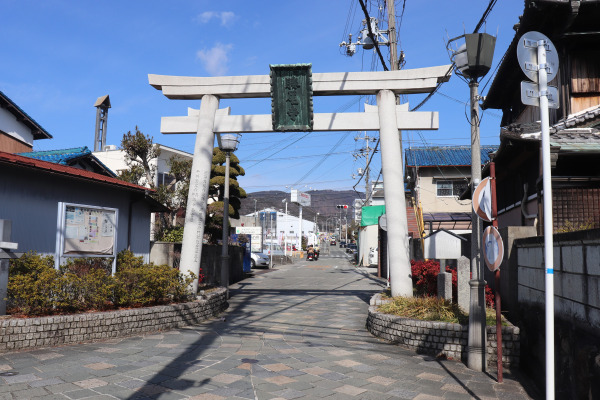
(35, 287)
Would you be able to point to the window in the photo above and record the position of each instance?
(451, 188)
(165, 179)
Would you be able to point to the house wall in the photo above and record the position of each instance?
(14, 128)
(11, 145)
(576, 311)
(513, 216)
(427, 190)
(29, 198)
(113, 159)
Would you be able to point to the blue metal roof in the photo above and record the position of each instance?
(69, 157)
(61, 156)
(444, 156)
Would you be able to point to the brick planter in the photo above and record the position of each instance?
(26, 333)
(440, 338)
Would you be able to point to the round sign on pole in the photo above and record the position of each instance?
(527, 55)
(482, 200)
(493, 248)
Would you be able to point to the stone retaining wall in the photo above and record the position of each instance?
(442, 338)
(26, 333)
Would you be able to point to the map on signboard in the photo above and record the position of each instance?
(89, 230)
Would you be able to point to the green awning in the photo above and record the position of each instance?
(371, 214)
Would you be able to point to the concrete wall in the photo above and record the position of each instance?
(29, 198)
(165, 253)
(576, 305)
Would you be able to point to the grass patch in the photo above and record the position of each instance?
(433, 309)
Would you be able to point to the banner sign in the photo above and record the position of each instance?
(255, 233)
(299, 197)
(291, 97)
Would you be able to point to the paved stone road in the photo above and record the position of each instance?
(296, 332)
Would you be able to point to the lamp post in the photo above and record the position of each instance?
(472, 61)
(285, 227)
(227, 143)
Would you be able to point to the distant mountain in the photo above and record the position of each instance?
(322, 201)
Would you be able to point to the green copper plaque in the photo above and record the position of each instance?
(291, 97)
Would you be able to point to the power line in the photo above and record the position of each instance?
(487, 11)
(372, 36)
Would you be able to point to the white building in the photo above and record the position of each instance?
(284, 228)
(114, 159)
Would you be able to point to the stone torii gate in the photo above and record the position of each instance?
(387, 117)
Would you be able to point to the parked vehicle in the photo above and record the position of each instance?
(259, 260)
(332, 242)
(351, 248)
(342, 244)
(277, 250)
(373, 256)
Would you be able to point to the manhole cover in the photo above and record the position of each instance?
(10, 373)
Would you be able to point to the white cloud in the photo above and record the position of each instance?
(226, 17)
(215, 60)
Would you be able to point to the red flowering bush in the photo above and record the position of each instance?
(424, 276)
(490, 299)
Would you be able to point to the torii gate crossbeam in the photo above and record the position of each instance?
(389, 120)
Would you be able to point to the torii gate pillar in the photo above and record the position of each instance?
(195, 216)
(393, 189)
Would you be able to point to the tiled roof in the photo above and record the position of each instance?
(36, 129)
(61, 156)
(69, 157)
(444, 156)
(72, 172)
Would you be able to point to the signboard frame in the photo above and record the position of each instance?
(292, 97)
(79, 224)
(300, 198)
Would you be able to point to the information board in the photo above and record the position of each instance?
(86, 230)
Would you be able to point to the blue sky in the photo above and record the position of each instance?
(59, 56)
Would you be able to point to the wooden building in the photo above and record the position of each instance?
(574, 127)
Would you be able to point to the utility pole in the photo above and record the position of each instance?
(391, 10)
(366, 153)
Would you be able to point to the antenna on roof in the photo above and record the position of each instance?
(102, 104)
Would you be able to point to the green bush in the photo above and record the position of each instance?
(174, 234)
(35, 287)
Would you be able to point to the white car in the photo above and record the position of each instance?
(373, 256)
(259, 260)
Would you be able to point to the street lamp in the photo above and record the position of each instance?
(227, 143)
(285, 227)
(472, 61)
